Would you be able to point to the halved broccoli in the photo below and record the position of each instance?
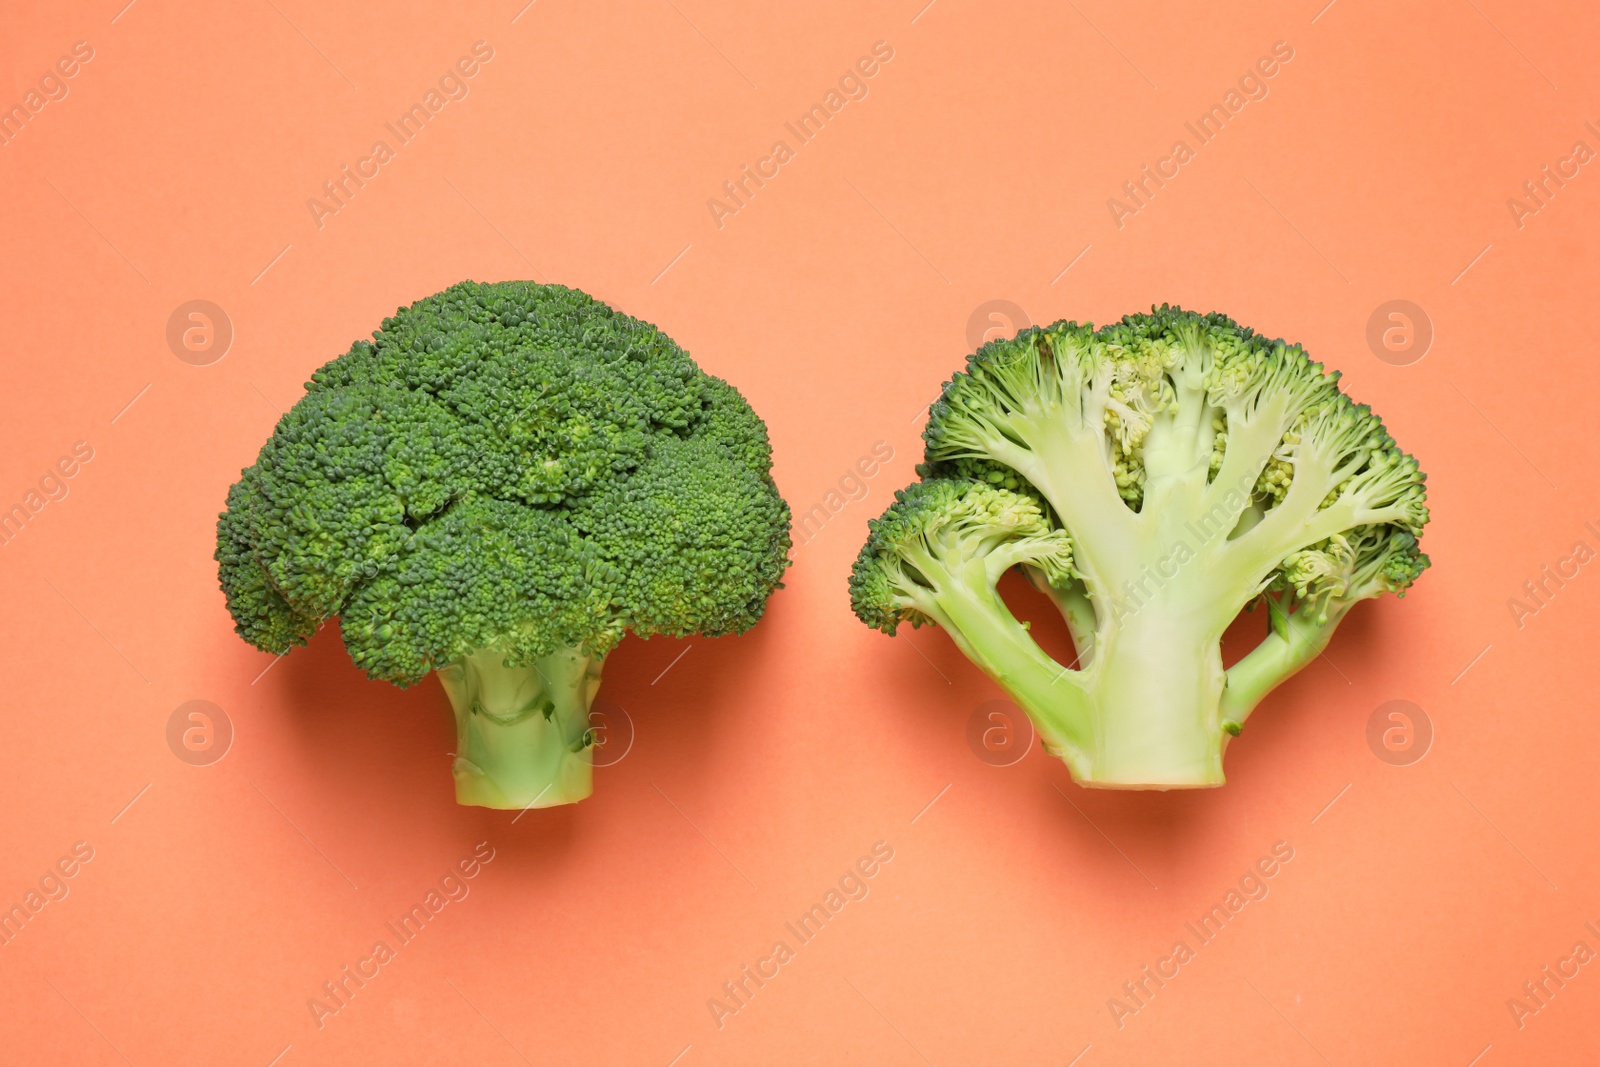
(496, 487)
(1153, 478)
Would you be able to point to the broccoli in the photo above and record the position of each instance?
(1153, 478)
(495, 488)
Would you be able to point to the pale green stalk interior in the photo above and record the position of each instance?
(522, 733)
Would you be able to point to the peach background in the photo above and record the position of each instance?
(178, 168)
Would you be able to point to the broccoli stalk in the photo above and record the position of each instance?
(1181, 469)
(497, 487)
(522, 733)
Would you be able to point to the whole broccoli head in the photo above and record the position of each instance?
(1154, 477)
(500, 484)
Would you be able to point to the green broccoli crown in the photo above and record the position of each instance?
(1366, 562)
(510, 466)
(936, 527)
(1173, 369)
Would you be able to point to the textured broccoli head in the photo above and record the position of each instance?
(938, 531)
(512, 467)
(1198, 468)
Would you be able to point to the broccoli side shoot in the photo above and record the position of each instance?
(496, 488)
(1154, 478)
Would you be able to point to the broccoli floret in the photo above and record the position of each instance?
(942, 535)
(496, 488)
(1197, 469)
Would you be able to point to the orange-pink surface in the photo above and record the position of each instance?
(1386, 910)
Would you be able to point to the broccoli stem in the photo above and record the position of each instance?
(1157, 683)
(522, 732)
(1076, 609)
(969, 609)
(1145, 714)
(1292, 641)
(992, 638)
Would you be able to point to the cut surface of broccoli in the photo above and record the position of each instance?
(1154, 478)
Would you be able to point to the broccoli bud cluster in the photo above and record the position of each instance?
(508, 466)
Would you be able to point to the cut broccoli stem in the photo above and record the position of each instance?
(1292, 641)
(966, 605)
(1076, 609)
(1157, 683)
(1145, 714)
(522, 733)
(1072, 473)
(1144, 711)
